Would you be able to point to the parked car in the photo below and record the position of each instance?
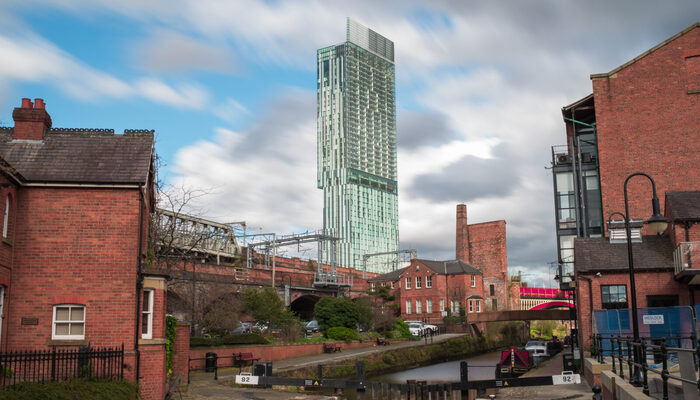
(243, 327)
(432, 328)
(416, 328)
(312, 326)
(538, 349)
(259, 326)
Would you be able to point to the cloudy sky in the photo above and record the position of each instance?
(229, 87)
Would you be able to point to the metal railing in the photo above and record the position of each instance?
(60, 365)
(686, 256)
(621, 354)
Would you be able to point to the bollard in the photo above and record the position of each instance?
(596, 392)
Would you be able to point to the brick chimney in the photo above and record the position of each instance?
(462, 243)
(31, 120)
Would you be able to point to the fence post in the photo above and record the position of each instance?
(53, 364)
(619, 353)
(464, 380)
(630, 361)
(643, 354)
(319, 369)
(664, 370)
(612, 354)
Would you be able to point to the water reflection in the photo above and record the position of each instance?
(480, 367)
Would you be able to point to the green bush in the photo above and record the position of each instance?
(247, 338)
(78, 389)
(342, 333)
(331, 312)
(402, 328)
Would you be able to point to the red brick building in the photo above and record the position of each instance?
(643, 116)
(476, 281)
(76, 205)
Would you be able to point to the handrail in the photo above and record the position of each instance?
(629, 343)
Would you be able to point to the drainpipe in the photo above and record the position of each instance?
(139, 284)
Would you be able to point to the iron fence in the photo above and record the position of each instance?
(621, 352)
(60, 365)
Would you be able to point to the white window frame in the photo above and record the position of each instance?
(408, 306)
(392, 285)
(478, 306)
(473, 280)
(429, 306)
(6, 220)
(149, 322)
(408, 282)
(442, 305)
(419, 282)
(54, 336)
(428, 281)
(419, 307)
(471, 305)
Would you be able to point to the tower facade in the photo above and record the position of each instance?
(356, 128)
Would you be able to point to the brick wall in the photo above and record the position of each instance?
(647, 283)
(181, 350)
(647, 120)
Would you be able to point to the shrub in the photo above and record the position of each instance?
(402, 328)
(170, 323)
(335, 311)
(342, 333)
(248, 338)
(78, 389)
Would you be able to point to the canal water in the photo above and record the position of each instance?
(481, 367)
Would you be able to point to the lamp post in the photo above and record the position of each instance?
(657, 224)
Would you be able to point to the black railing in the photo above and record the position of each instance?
(60, 365)
(621, 353)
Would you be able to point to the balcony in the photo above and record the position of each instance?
(686, 262)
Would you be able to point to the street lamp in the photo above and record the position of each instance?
(657, 224)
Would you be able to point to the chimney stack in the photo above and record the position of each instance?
(31, 120)
(462, 242)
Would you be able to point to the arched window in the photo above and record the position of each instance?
(6, 219)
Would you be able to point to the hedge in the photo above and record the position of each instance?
(78, 389)
(246, 338)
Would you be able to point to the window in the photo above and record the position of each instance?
(613, 296)
(471, 305)
(147, 315)
(6, 220)
(408, 282)
(442, 305)
(419, 282)
(428, 281)
(429, 306)
(492, 290)
(473, 280)
(419, 307)
(455, 307)
(371, 285)
(408, 306)
(68, 322)
(392, 285)
(478, 306)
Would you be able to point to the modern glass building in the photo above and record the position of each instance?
(576, 185)
(356, 128)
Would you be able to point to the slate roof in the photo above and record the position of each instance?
(684, 206)
(389, 276)
(451, 267)
(598, 254)
(81, 156)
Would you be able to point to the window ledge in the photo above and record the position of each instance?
(152, 341)
(68, 342)
(7, 241)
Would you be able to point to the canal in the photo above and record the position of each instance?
(481, 367)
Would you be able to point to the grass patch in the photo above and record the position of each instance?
(78, 389)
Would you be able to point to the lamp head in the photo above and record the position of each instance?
(657, 223)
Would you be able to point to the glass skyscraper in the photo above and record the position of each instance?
(356, 128)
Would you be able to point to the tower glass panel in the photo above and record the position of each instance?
(356, 128)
